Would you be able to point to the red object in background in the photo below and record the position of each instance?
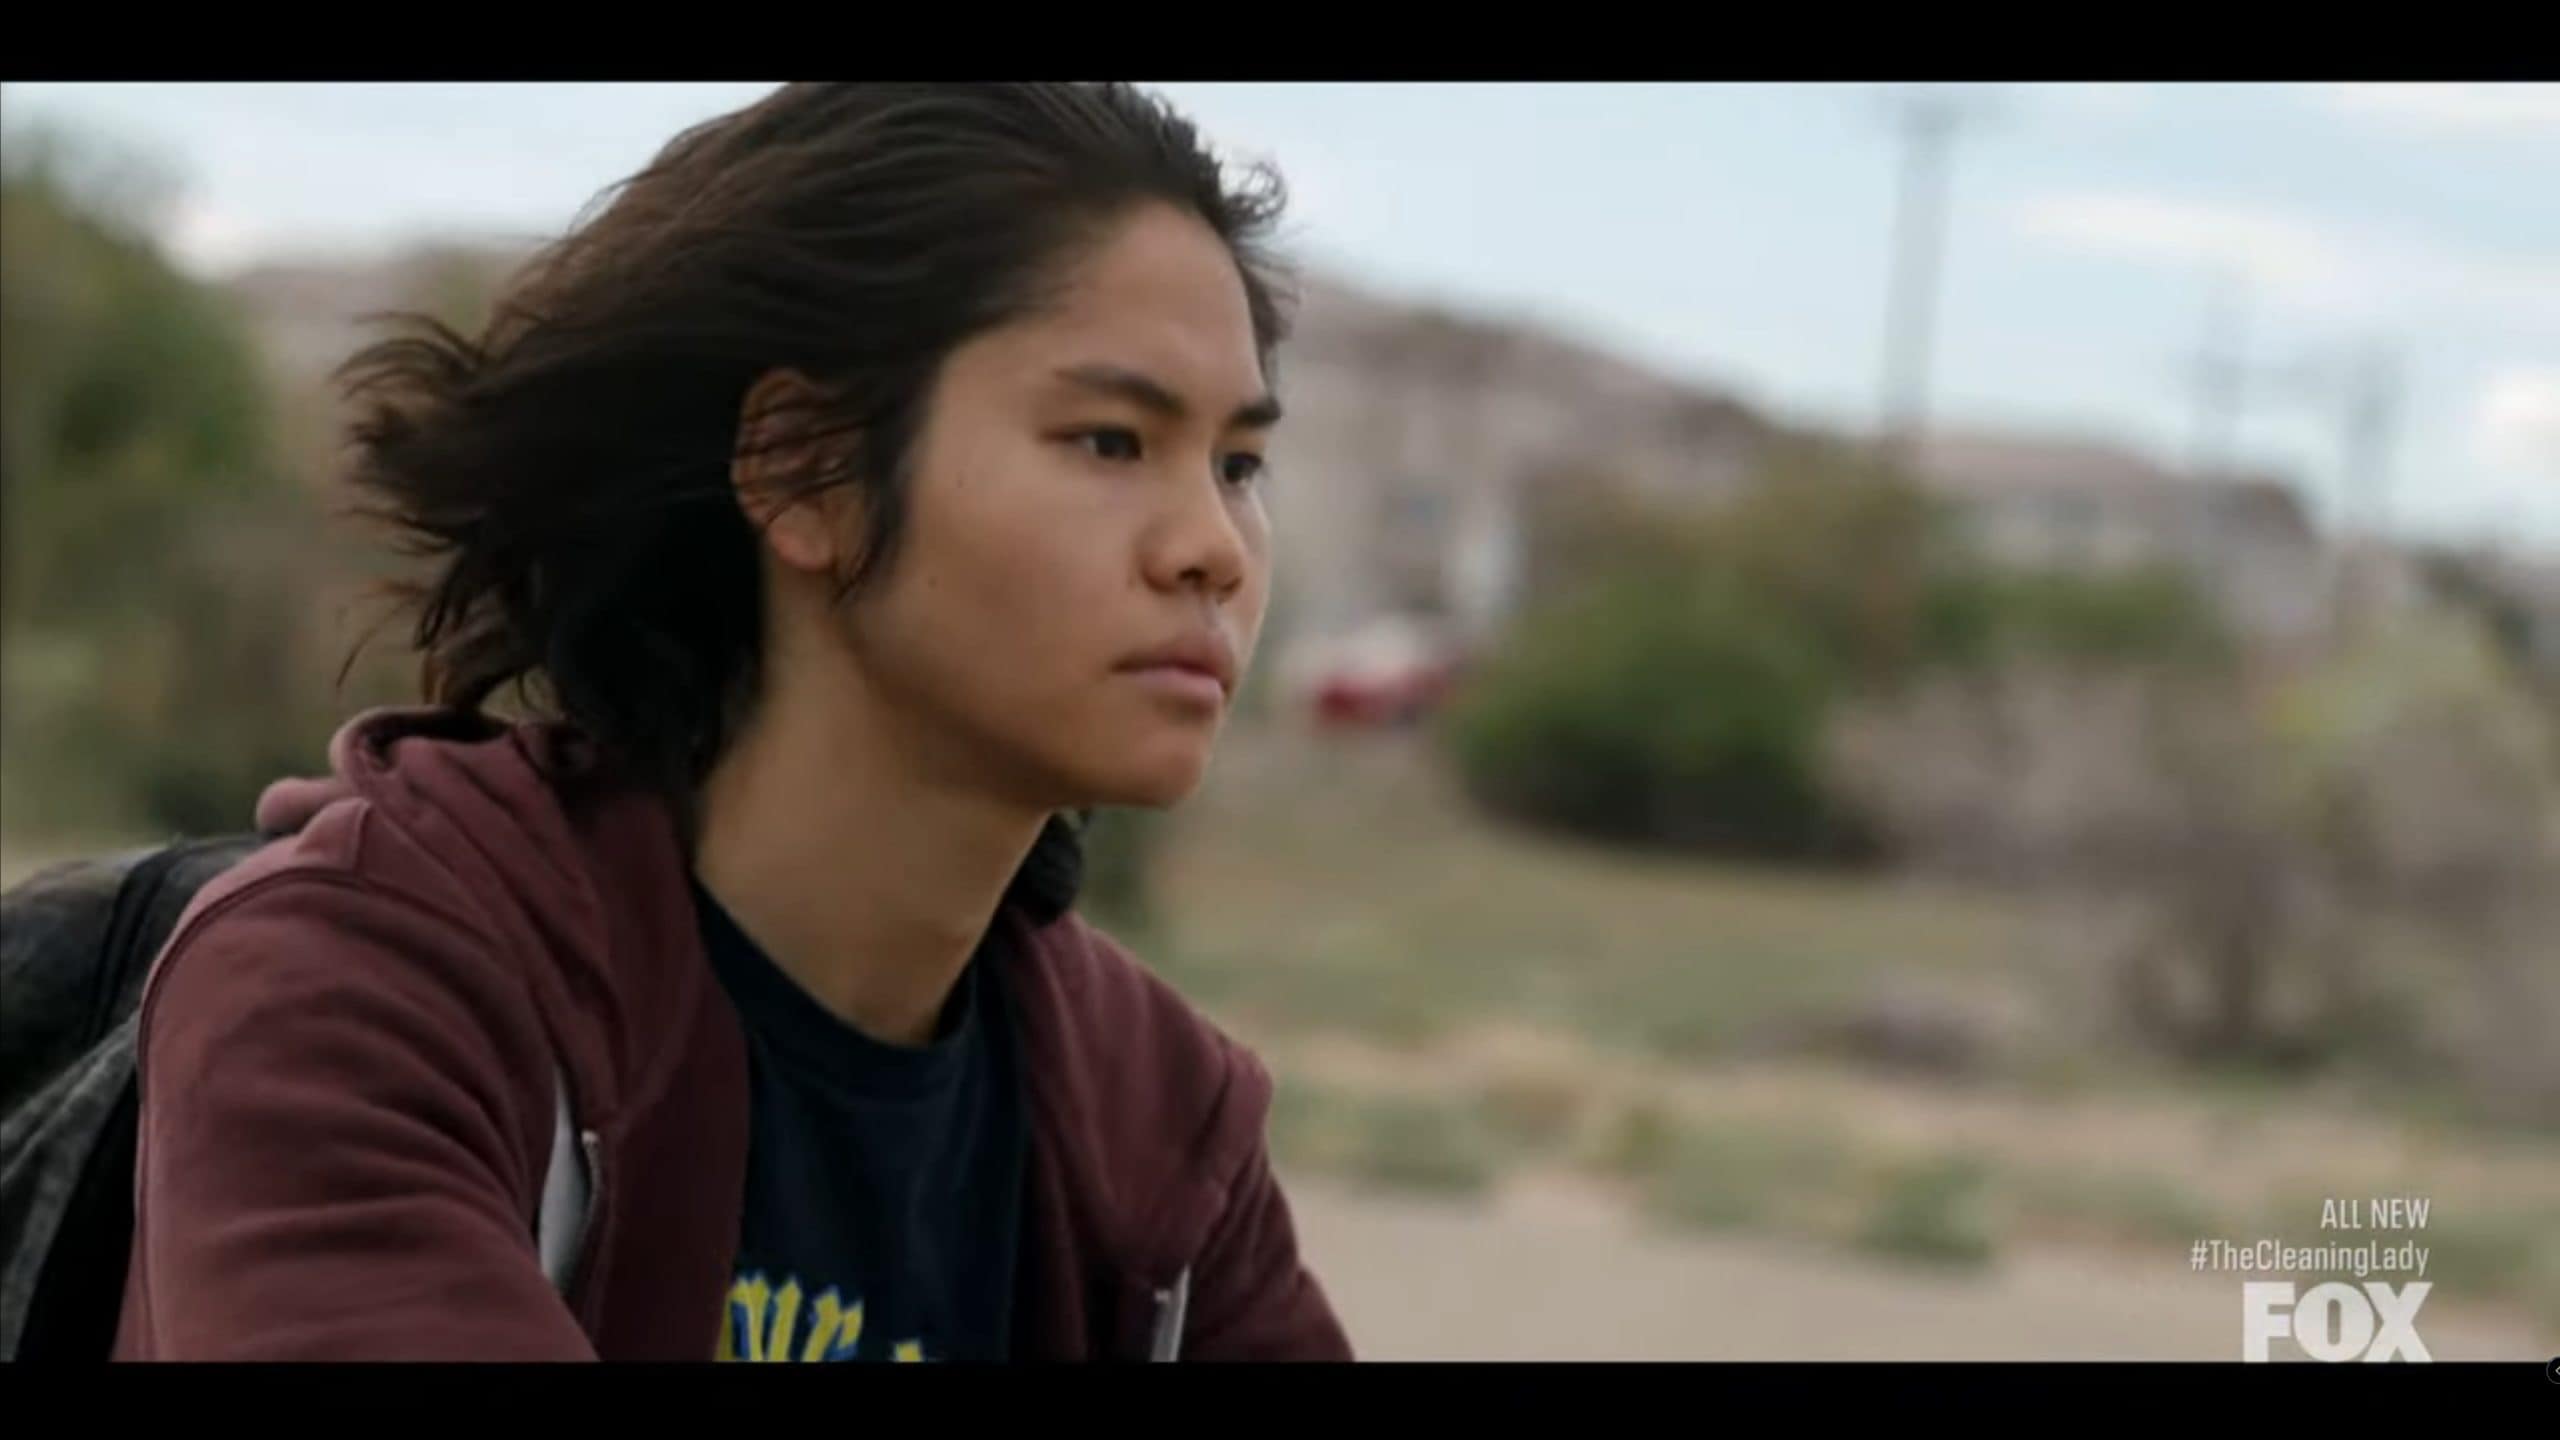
(1393, 671)
(1344, 702)
(1399, 698)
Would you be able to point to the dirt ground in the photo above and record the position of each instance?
(1549, 1273)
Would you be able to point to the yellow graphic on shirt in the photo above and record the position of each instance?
(768, 1321)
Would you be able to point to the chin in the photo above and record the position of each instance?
(1161, 791)
(1156, 781)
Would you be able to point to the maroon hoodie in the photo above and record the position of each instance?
(347, 1055)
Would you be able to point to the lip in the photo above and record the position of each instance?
(1202, 662)
(1183, 682)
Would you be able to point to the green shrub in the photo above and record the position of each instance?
(1675, 684)
(161, 576)
(1977, 613)
(1652, 710)
(1731, 1174)
(1440, 1148)
(1935, 1210)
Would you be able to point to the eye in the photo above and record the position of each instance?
(1243, 468)
(1110, 443)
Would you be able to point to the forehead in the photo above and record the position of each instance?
(1160, 295)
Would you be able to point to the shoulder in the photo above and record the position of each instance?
(299, 914)
(1153, 1089)
(330, 932)
(346, 856)
(1131, 1023)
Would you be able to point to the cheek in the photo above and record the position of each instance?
(1016, 591)
(1006, 584)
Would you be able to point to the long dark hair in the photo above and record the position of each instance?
(567, 469)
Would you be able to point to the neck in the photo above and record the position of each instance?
(867, 878)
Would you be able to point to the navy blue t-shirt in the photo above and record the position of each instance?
(884, 1183)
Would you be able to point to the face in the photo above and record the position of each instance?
(1085, 542)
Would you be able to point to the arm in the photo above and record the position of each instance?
(1252, 1296)
(331, 1165)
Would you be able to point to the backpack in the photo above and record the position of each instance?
(77, 942)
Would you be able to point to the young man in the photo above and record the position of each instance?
(872, 483)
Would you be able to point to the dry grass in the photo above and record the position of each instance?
(1904, 1169)
(1324, 887)
(1513, 1002)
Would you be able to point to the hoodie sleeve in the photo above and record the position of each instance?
(332, 1162)
(1252, 1296)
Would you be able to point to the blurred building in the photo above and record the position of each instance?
(309, 314)
(1415, 437)
(2067, 504)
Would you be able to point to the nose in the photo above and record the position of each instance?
(1198, 544)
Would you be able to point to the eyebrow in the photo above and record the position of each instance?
(1260, 413)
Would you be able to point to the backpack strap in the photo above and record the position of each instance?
(77, 944)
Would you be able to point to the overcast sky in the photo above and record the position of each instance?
(1737, 234)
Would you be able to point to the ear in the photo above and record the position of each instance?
(770, 466)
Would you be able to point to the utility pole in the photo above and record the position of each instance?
(1929, 123)
(2373, 410)
(2364, 384)
(2220, 374)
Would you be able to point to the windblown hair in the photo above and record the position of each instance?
(566, 472)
